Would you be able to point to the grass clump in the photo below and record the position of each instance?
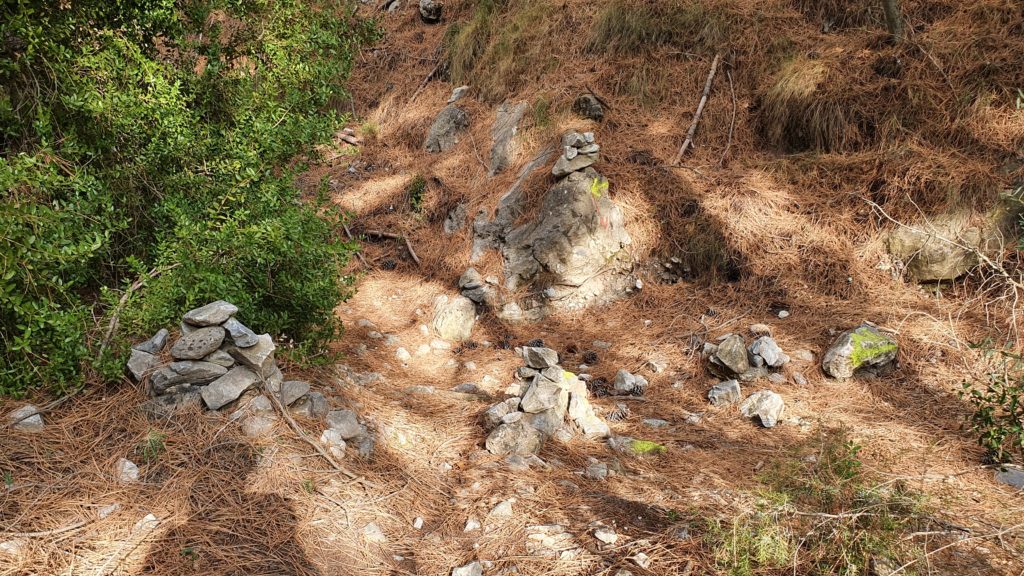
(818, 512)
(414, 193)
(633, 27)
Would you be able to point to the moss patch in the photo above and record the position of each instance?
(868, 345)
(646, 447)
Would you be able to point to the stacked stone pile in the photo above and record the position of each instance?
(579, 151)
(520, 424)
(215, 361)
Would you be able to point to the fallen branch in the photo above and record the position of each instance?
(302, 435)
(600, 100)
(997, 534)
(394, 236)
(359, 253)
(116, 316)
(61, 530)
(700, 110)
(424, 83)
(732, 123)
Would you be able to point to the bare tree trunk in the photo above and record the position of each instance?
(893, 19)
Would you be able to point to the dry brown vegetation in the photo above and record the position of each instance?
(832, 125)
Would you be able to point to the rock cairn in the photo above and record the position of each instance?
(520, 424)
(578, 152)
(215, 361)
(736, 362)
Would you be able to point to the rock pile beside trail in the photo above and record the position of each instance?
(731, 358)
(579, 151)
(214, 362)
(520, 424)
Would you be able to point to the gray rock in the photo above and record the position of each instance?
(576, 247)
(290, 391)
(185, 328)
(565, 166)
(596, 471)
(346, 423)
(260, 405)
(473, 286)
(569, 153)
(457, 94)
(228, 387)
(454, 317)
(512, 417)
(929, 258)
(549, 421)
(335, 444)
(1011, 476)
(766, 405)
(444, 132)
(552, 374)
(515, 438)
(589, 149)
(724, 393)
(210, 315)
(257, 425)
(582, 413)
(240, 335)
(573, 139)
(220, 358)
(474, 568)
(732, 354)
(455, 219)
(506, 120)
(185, 372)
(542, 395)
(260, 357)
(168, 405)
(863, 347)
(655, 422)
(767, 349)
(776, 378)
(539, 358)
(430, 11)
(140, 363)
(402, 355)
(126, 471)
(589, 107)
(626, 383)
(198, 344)
(313, 405)
(154, 345)
(799, 379)
(26, 418)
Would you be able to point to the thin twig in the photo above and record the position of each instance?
(116, 316)
(359, 253)
(61, 530)
(700, 110)
(476, 152)
(394, 236)
(732, 123)
(997, 534)
(302, 435)
(424, 83)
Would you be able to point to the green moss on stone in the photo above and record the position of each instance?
(868, 345)
(645, 447)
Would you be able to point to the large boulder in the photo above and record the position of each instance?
(444, 132)
(454, 317)
(506, 120)
(574, 252)
(945, 247)
(862, 348)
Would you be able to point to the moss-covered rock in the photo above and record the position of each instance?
(863, 347)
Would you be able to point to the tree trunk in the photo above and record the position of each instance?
(893, 19)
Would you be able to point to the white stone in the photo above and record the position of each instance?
(126, 471)
(26, 418)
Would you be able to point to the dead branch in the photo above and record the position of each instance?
(600, 100)
(997, 534)
(394, 236)
(700, 110)
(359, 253)
(732, 123)
(116, 316)
(424, 83)
(302, 435)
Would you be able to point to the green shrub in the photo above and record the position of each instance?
(998, 406)
(154, 135)
(414, 192)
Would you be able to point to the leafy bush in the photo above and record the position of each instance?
(157, 140)
(998, 402)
